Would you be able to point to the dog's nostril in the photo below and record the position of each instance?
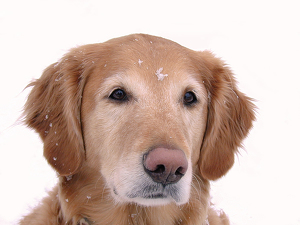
(180, 171)
(159, 169)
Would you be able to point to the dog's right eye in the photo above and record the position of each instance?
(118, 95)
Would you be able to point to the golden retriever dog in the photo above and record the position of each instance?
(136, 128)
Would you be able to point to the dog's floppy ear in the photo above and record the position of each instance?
(53, 110)
(230, 117)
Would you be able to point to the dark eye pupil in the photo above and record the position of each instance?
(189, 98)
(118, 94)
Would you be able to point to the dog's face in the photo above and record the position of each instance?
(145, 112)
(145, 104)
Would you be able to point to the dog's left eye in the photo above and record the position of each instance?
(189, 98)
(118, 95)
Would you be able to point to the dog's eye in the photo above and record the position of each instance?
(119, 95)
(189, 98)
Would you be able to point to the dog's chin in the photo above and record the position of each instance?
(151, 199)
(156, 201)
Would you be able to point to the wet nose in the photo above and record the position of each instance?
(165, 166)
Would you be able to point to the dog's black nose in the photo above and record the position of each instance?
(165, 166)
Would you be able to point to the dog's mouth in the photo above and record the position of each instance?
(154, 196)
(148, 195)
(155, 192)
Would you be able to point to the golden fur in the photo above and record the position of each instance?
(96, 143)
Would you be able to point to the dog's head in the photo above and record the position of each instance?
(145, 112)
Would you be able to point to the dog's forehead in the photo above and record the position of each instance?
(147, 65)
(148, 52)
(154, 80)
(151, 59)
(160, 72)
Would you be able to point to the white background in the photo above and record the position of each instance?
(259, 39)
